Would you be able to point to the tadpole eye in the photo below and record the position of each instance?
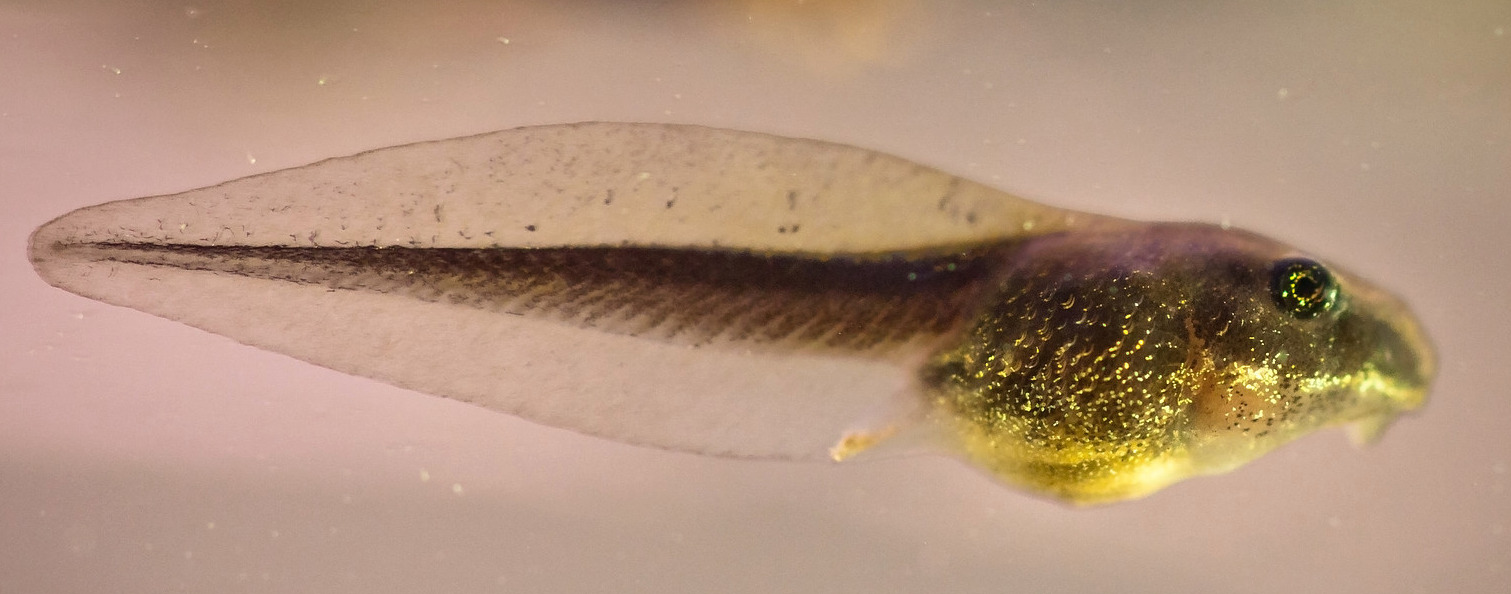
(1302, 287)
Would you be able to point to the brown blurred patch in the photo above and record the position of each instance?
(830, 35)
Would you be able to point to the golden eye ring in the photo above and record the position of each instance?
(1302, 288)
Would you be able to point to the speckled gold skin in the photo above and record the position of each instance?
(1085, 357)
(1090, 366)
(1109, 365)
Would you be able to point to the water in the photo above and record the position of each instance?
(142, 456)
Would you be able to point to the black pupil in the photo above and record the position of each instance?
(1302, 288)
(1306, 286)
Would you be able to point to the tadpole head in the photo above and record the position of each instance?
(1108, 365)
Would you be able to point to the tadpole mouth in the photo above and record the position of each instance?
(1403, 361)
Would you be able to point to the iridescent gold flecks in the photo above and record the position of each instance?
(1084, 357)
(1107, 367)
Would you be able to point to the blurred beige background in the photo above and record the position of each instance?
(139, 455)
